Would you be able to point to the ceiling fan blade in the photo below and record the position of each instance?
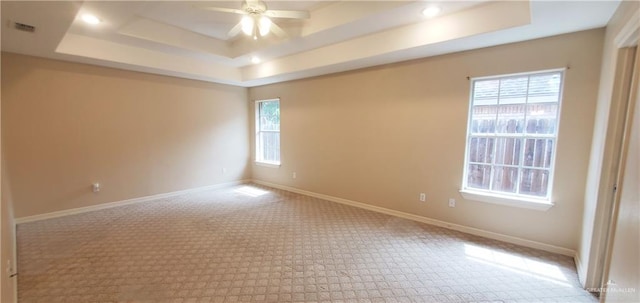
(287, 14)
(235, 30)
(223, 9)
(278, 31)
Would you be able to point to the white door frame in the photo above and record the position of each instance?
(625, 40)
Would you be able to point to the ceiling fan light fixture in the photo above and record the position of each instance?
(264, 25)
(247, 25)
(431, 11)
(257, 19)
(90, 19)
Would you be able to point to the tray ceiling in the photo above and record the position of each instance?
(177, 38)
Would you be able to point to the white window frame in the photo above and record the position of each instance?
(515, 199)
(259, 145)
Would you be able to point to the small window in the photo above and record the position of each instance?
(512, 135)
(268, 131)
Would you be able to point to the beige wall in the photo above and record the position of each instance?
(67, 125)
(600, 177)
(383, 135)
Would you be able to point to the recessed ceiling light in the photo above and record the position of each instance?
(255, 60)
(91, 19)
(431, 11)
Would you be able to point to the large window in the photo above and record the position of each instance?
(512, 135)
(268, 131)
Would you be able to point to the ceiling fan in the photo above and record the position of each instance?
(257, 18)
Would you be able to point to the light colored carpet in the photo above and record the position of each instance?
(255, 244)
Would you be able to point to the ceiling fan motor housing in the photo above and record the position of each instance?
(254, 8)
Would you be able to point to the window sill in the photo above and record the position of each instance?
(268, 164)
(520, 202)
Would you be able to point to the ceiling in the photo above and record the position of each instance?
(177, 38)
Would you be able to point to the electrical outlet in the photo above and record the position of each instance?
(95, 187)
(452, 202)
(224, 170)
(423, 197)
(294, 175)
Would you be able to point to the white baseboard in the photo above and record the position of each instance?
(461, 228)
(79, 210)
